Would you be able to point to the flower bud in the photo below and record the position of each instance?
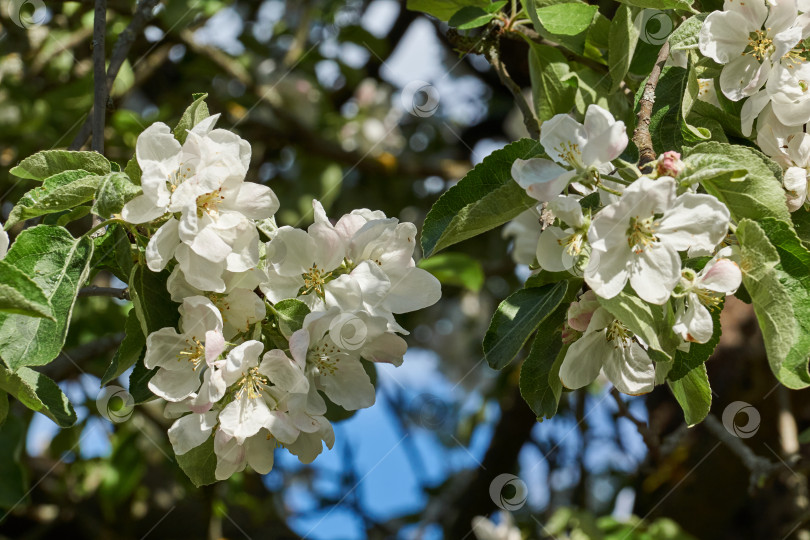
(670, 164)
(580, 313)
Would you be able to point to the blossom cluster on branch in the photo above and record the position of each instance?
(239, 367)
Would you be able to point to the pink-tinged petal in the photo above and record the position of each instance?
(724, 276)
(214, 345)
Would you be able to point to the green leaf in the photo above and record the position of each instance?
(484, 199)
(776, 273)
(200, 464)
(566, 19)
(684, 5)
(719, 167)
(129, 351)
(540, 383)
(516, 318)
(193, 115)
(60, 192)
(114, 191)
(444, 9)
(47, 163)
(39, 393)
(470, 17)
(113, 252)
(59, 265)
(553, 88)
(20, 294)
(623, 39)
(290, 314)
(139, 381)
(693, 394)
(645, 320)
(456, 269)
(69, 216)
(687, 35)
(14, 487)
(133, 171)
(151, 300)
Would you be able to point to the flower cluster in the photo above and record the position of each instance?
(237, 368)
(762, 48)
(631, 240)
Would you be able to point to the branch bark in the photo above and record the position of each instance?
(142, 15)
(758, 465)
(529, 119)
(99, 73)
(651, 439)
(641, 135)
(114, 292)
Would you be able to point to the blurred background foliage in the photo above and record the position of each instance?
(328, 94)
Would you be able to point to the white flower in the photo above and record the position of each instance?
(239, 305)
(609, 346)
(638, 238)
(704, 291)
(334, 343)
(233, 456)
(180, 355)
(3, 242)
(707, 92)
(251, 409)
(586, 148)
(309, 445)
(191, 430)
(524, 231)
(306, 264)
(580, 312)
(203, 182)
(750, 38)
(559, 249)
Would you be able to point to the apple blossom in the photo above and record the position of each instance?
(559, 249)
(586, 148)
(524, 231)
(180, 355)
(704, 291)
(638, 238)
(607, 345)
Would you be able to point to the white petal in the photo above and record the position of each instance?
(742, 77)
(551, 251)
(724, 34)
(695, 323)
(141, 209)
(254, 201)
(259, 453)
(696, 220)
(156, 145)
(244, 417)
(583, 360)
(413, 290)
(542, 179)
(607, 272)
(174, 385)
(655, 273)
(199, 272)
(284, 372)
(630, 370)
(162, 245)
(722, 276)
(347, 384)
(568, 209)
(561, 134)
(191, 431)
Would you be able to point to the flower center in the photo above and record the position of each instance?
(325, 357)
(194, 353)
(314, 280)
(178, 177)
(573, 243)
(760, 45)
(251, 383)
(616, 330)
(571, 153)
(641, 233)
(710, 299)
(209, 203)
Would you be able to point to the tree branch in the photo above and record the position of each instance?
(142, 15)
(758, 465)
(641, 135)
(114, 292)
(529, 120)
(99, 73)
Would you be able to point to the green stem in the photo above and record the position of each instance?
(104, 224)
(611, 191)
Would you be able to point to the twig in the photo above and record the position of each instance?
(641, 135)
(114, 292)
(99, 74)
(651, 439)
(522, 33)
(142, 15)
(529, 120)
(759, 466)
